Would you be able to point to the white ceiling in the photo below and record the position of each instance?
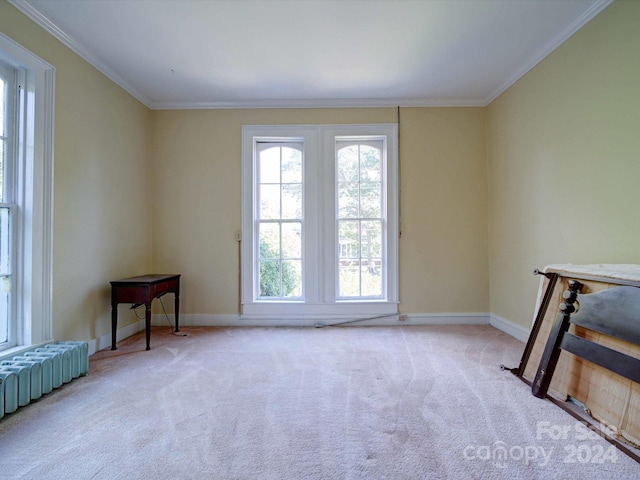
(279, 53)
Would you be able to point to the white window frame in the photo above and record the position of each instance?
(259, 145)
(319, 222)
(9, 238)
(32, 279)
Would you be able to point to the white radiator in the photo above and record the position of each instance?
(37, 372)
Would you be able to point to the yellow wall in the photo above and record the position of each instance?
(564, 161)
(196, 158)
(443, 248)
(547, 173)
(101, 185)
(138, 191)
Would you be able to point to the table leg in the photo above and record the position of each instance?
(114, 324)
(177, 309)
(148, 324)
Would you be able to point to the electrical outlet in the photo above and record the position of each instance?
(238, 236)
(402, 318)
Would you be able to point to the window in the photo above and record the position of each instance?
(319, 220)
(279, 219)
(26, 154)
(8, 102)
(360, 217)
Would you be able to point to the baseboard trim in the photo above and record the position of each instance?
(203, 320)
(516, 331)
(231, 320)
(446, 319)
(104, 341)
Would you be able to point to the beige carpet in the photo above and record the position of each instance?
(286, 403)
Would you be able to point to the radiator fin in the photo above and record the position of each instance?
(10, 383)
(46, 368)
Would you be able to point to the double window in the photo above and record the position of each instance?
(319, 220)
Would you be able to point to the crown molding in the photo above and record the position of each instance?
(580, 22)
(321, 103)
(41, 20)
(36, 16)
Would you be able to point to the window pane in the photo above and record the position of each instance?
(371, 239)
(292, 240)
(348, 239)
(370, 200)
(348, 200)
(269, 202)
(348, 164)
(270, 165)
(370, 164)
(291, 165)
(371, 278)
(269, 237)
(292, 201)
(291, 278)
(270, 278)
(349, 278)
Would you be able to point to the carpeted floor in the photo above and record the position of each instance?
(302, 403)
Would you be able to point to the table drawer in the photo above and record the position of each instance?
(163, 287)
(131, 295)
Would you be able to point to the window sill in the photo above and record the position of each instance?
(15, 351)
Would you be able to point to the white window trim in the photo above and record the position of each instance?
(391, 182)
(35, 155)
(319, 141)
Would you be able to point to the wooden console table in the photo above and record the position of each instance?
(141, 291)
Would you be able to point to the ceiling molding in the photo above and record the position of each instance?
(41, 20)
(77, 48)
(321, 103)
(595, 9)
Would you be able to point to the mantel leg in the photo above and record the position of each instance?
(148, 324)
